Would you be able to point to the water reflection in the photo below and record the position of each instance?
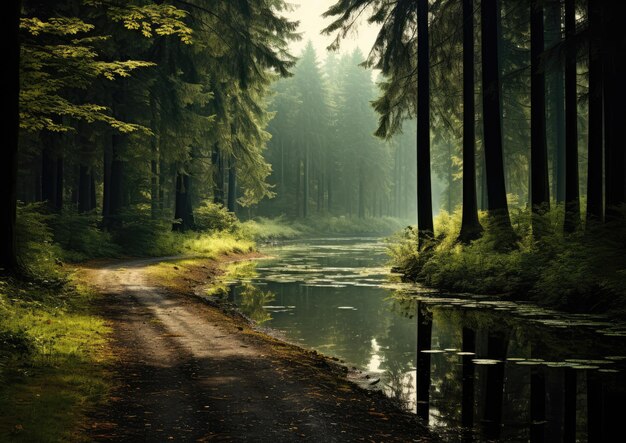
(476, 369)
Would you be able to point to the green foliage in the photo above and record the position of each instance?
(582, 271)
(81, 238)
(214, 217)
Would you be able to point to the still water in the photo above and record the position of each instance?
(475, 368)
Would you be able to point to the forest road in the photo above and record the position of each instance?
(187, 372)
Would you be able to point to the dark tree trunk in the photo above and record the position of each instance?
(218, 175)
(154, 161)
(556, 100)
(106, 177)
(58, 199)
(184, 210)
(116, 183)
(298, 184)
(84, 189)
(232, 186)
(540, 195)
(492, 120)
(425, 227)
(537, 405)
(470, 226)
(572, 198)
(92, 188)
(48, 173)
(10, 132)
(614, 46)
(595, 139)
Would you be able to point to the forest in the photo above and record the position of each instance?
(388, 205)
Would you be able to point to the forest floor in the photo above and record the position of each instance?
(188, 371)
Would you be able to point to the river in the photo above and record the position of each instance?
(475, 368)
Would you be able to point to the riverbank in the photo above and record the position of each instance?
(187, 370)
(578, 272)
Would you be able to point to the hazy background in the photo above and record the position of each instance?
(309, 14)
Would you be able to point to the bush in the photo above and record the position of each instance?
(213, 217)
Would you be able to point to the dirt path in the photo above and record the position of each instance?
(187, 372)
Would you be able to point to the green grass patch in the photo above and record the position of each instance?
(53, 357)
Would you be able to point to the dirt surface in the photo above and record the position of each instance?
(188, 372)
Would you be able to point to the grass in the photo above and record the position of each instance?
(583, 271)
(53, 358)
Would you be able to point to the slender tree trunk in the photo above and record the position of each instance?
(84, 191)
(492, 121)
(232, 186)
(470, 226)
(305, 206)
(557, 102)
(10, 131)
(425, 227)
(218, 175)
(614, 46)
(116, 183)
(595, 139)
(572, 198)
(540, 195)
(184, 210)
(92, 181)
(154, 160)
(58, 199)
(48, 173)
(298, 186)
(106, 177)
(361, 195)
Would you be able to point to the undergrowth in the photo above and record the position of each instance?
(582, 271)
(53, 353)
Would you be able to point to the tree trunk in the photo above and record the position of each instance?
(48, 173)
(361, 195)
(10, 132)
(154, 160)
(614, 111)
(492, 121)
(58, 199)
(232, 186)
(92, 187)
(540, 196)
(184, 210)
(595, 138)
(218, 175)
(556, 100)
(116, 183)
(84, 191)
(305, 207)
(572, 198)
(470, 226)
(106, 177)
(425, 227)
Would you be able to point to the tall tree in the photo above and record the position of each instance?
(540, 196)
(595, 210)
(425, 227)
(492, 118)
(10, 130)
(470, 226)
(572, 197)
(614, 46)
